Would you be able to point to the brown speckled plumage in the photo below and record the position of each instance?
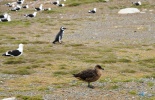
(90, 75)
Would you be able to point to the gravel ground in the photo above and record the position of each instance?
(106, 27)
(101, 92)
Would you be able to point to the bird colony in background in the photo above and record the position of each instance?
(19, 5)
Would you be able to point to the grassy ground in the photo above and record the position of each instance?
(44, 64)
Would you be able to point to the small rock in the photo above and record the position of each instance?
(129, 11)
(12, 98)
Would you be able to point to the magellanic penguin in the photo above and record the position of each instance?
(58, 37)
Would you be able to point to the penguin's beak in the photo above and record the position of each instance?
(64, 28)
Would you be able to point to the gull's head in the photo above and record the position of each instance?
(34, 13)
(41, 5)
(139, 3)
(18, 6)
(94, 9)
(5, 15)
(20, 48)
(21, 45)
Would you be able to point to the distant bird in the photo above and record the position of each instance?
(16, 52)
(90, 75)
(4, 16)
(8, 19)
(17, 8)
(26, 6)
(40, 8)
(10, 4)
(20, 1)
(47, 9)
(56, 2)
(31, 15)
(92, 11)
(106, 0)
(58, 37)
(137, 3)
(7, 4)
(61, 5)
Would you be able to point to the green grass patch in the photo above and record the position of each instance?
(72, 3)
(109, 61)
(34, 66)
(128, 71)
(132, 92)
(11, 37)
(114, 87)
(57, 73)
(124, 60)
(16, 23)
(21, 71)
(150, 63)
(150, 84)
(74, 71)
(21, 97)
(15, 61)
(103, 0)
(43, 88)
(76, 45)
(150, 76)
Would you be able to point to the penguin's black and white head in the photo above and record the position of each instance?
(62, 28)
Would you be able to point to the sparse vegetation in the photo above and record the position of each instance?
(125, 56)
